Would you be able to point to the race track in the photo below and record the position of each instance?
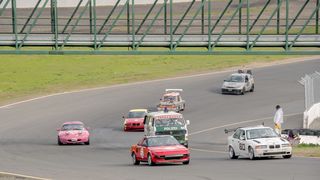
(28, 140)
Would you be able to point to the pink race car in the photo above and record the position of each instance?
(73, 133)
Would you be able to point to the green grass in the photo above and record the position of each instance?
(307, 150)
(25, 76)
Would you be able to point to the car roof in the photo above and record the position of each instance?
(255, 127)
(158, 136)
(138, 110)
(172, 94)
(240, 74)
(73, 122)
(162, 113)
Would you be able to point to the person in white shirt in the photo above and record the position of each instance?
(278, 119)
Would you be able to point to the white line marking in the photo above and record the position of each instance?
(22, 176)
(282, 62)
(237, 123)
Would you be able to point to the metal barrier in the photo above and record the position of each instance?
(162, 23)
(312, 100)
(311, 84)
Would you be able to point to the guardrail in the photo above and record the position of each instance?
(204, 23)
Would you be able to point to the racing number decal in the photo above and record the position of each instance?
(242, 146)
(141, 152)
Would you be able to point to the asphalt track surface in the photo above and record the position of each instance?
(28, 140)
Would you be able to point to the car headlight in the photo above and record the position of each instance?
(286, 145)
(261, 147)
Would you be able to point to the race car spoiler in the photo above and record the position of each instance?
(174, 90)
(230, 130)
(241, 71)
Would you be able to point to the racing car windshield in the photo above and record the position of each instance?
(169, 122)
(68, 127)
(235, 79)
(136, 114)
(169, 98)
(261, 133)
(162, 141)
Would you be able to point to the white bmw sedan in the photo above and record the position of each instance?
(259, 141)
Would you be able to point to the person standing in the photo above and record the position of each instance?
(278, 119)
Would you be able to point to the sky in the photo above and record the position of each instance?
(73, 3)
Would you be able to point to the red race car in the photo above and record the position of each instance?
(158, 150)
(134, 120)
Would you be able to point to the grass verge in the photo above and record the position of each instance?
(307, 150)
(26, 76)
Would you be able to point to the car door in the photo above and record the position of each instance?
(141, 149)
(235, 141)
(242, 143)
(247, 83)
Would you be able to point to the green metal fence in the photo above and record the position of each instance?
(161, 27)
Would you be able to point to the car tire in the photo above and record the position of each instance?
(232, 154)
(183, 107)
(134, 159)
(186, 162)
(287, 156)
(88, 142)
(59, 142)
(251, 153)
(252, 88)
(150, 162)
(243, 91)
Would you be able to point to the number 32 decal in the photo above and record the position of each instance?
(242, 146)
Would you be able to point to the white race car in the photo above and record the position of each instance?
(238, 83)
(258, 141)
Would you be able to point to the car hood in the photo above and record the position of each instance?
(270, 141)
(73, 133)
(233, 84)
(134, 120)
(166, 150)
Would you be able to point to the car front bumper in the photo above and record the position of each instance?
(273, 152)
(75, 140)
(137, 127)
(231, 90)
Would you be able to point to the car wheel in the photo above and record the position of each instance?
(88, 142)
(183, 107)
(186, 162)
(252, 88)
(150, 162)
(287, 156)
(243, 91)
(232, 153)
(251, 153)
(59, 141)
(134, 159)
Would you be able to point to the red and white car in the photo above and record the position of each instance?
(172, 101)
(73, 132)
(134, 120)
(159, 150)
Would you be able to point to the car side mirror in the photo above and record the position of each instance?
(188, 122)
